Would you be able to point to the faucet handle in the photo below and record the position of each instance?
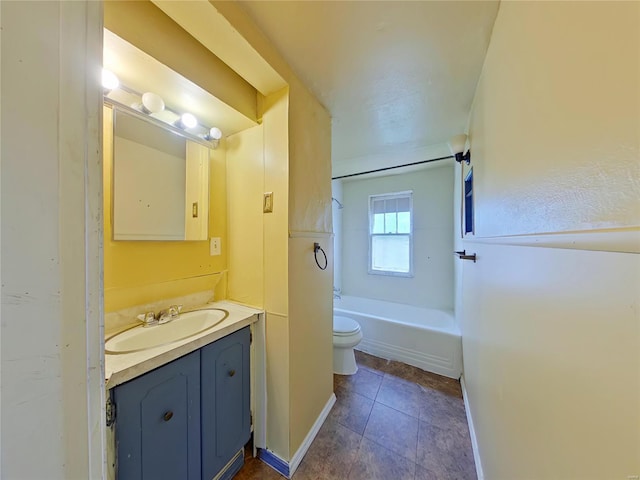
(147, 318)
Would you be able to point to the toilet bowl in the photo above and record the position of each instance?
(346, 335)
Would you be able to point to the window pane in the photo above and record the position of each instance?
(390, 253)
(378, 223)
(403, 204)
(390, 223)
(404, 222)
(390, 205)
(377, 206)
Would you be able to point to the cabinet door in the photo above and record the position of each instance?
(158, 423)
(226, 414)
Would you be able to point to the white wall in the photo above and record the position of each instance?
(52, 366)
(551, 336)
(432, 284)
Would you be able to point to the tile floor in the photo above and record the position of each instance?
(391, 421)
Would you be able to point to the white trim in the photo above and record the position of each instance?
(259, 384)
(80, 235)
(624, 240)
(299, 455)
(383, 197)
(299, 234)
(472, 431)
(431, 363)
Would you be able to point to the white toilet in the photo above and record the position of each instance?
(346, 335)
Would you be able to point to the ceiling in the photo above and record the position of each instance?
(396, 76)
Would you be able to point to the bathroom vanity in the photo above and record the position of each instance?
(183, 410)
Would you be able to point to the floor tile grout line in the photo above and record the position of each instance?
(355, 457)
(399, 411)
(388, 449)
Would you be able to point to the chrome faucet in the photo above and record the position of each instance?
(337, 293)
(149, 319)
(171, 313)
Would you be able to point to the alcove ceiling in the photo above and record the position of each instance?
(143, 73)
(396, 76)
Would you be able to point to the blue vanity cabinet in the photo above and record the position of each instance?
(158, 423)
(226, 414)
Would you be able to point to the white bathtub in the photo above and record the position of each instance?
(423, 337)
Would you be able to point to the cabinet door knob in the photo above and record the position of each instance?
(168, 416)
(232, 373)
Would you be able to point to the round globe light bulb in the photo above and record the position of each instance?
(109, 79)
(215, 133)
(152, 103)
(188, 120)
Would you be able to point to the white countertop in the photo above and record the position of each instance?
(123, 367)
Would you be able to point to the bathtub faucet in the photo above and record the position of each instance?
(336, 293)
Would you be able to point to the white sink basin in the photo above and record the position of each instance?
(141, 338)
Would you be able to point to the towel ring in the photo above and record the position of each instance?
(316, 247)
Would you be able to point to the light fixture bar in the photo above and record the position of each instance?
(179, 124)
(159, 123)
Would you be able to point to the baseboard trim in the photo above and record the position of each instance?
(306, 443)
(289, 468)
(430, 363)
(274, 461)
(472, 431)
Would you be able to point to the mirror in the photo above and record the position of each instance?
(160, 181)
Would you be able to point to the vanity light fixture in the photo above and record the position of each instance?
(214, 134)
(457, 146)
(109, 80)
(187, 120)
(151, 103)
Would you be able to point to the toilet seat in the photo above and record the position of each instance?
(344, 326)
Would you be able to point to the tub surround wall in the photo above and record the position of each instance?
(432, 283)
(336, 192)
(551, 336)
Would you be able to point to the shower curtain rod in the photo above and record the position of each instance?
(391, 168)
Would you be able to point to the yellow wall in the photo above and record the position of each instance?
(144, 25)
(245, 182)
(310, 289)
(274, 110)
(297, 168)
(309, 163)
(140, 272)
(551, 337)
(310, 301)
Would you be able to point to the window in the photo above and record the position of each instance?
(391, 234)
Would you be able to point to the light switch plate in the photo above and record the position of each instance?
(267, 204)
(214, 246)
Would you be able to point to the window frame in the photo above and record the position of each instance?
(389, 196)
(468, 215)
